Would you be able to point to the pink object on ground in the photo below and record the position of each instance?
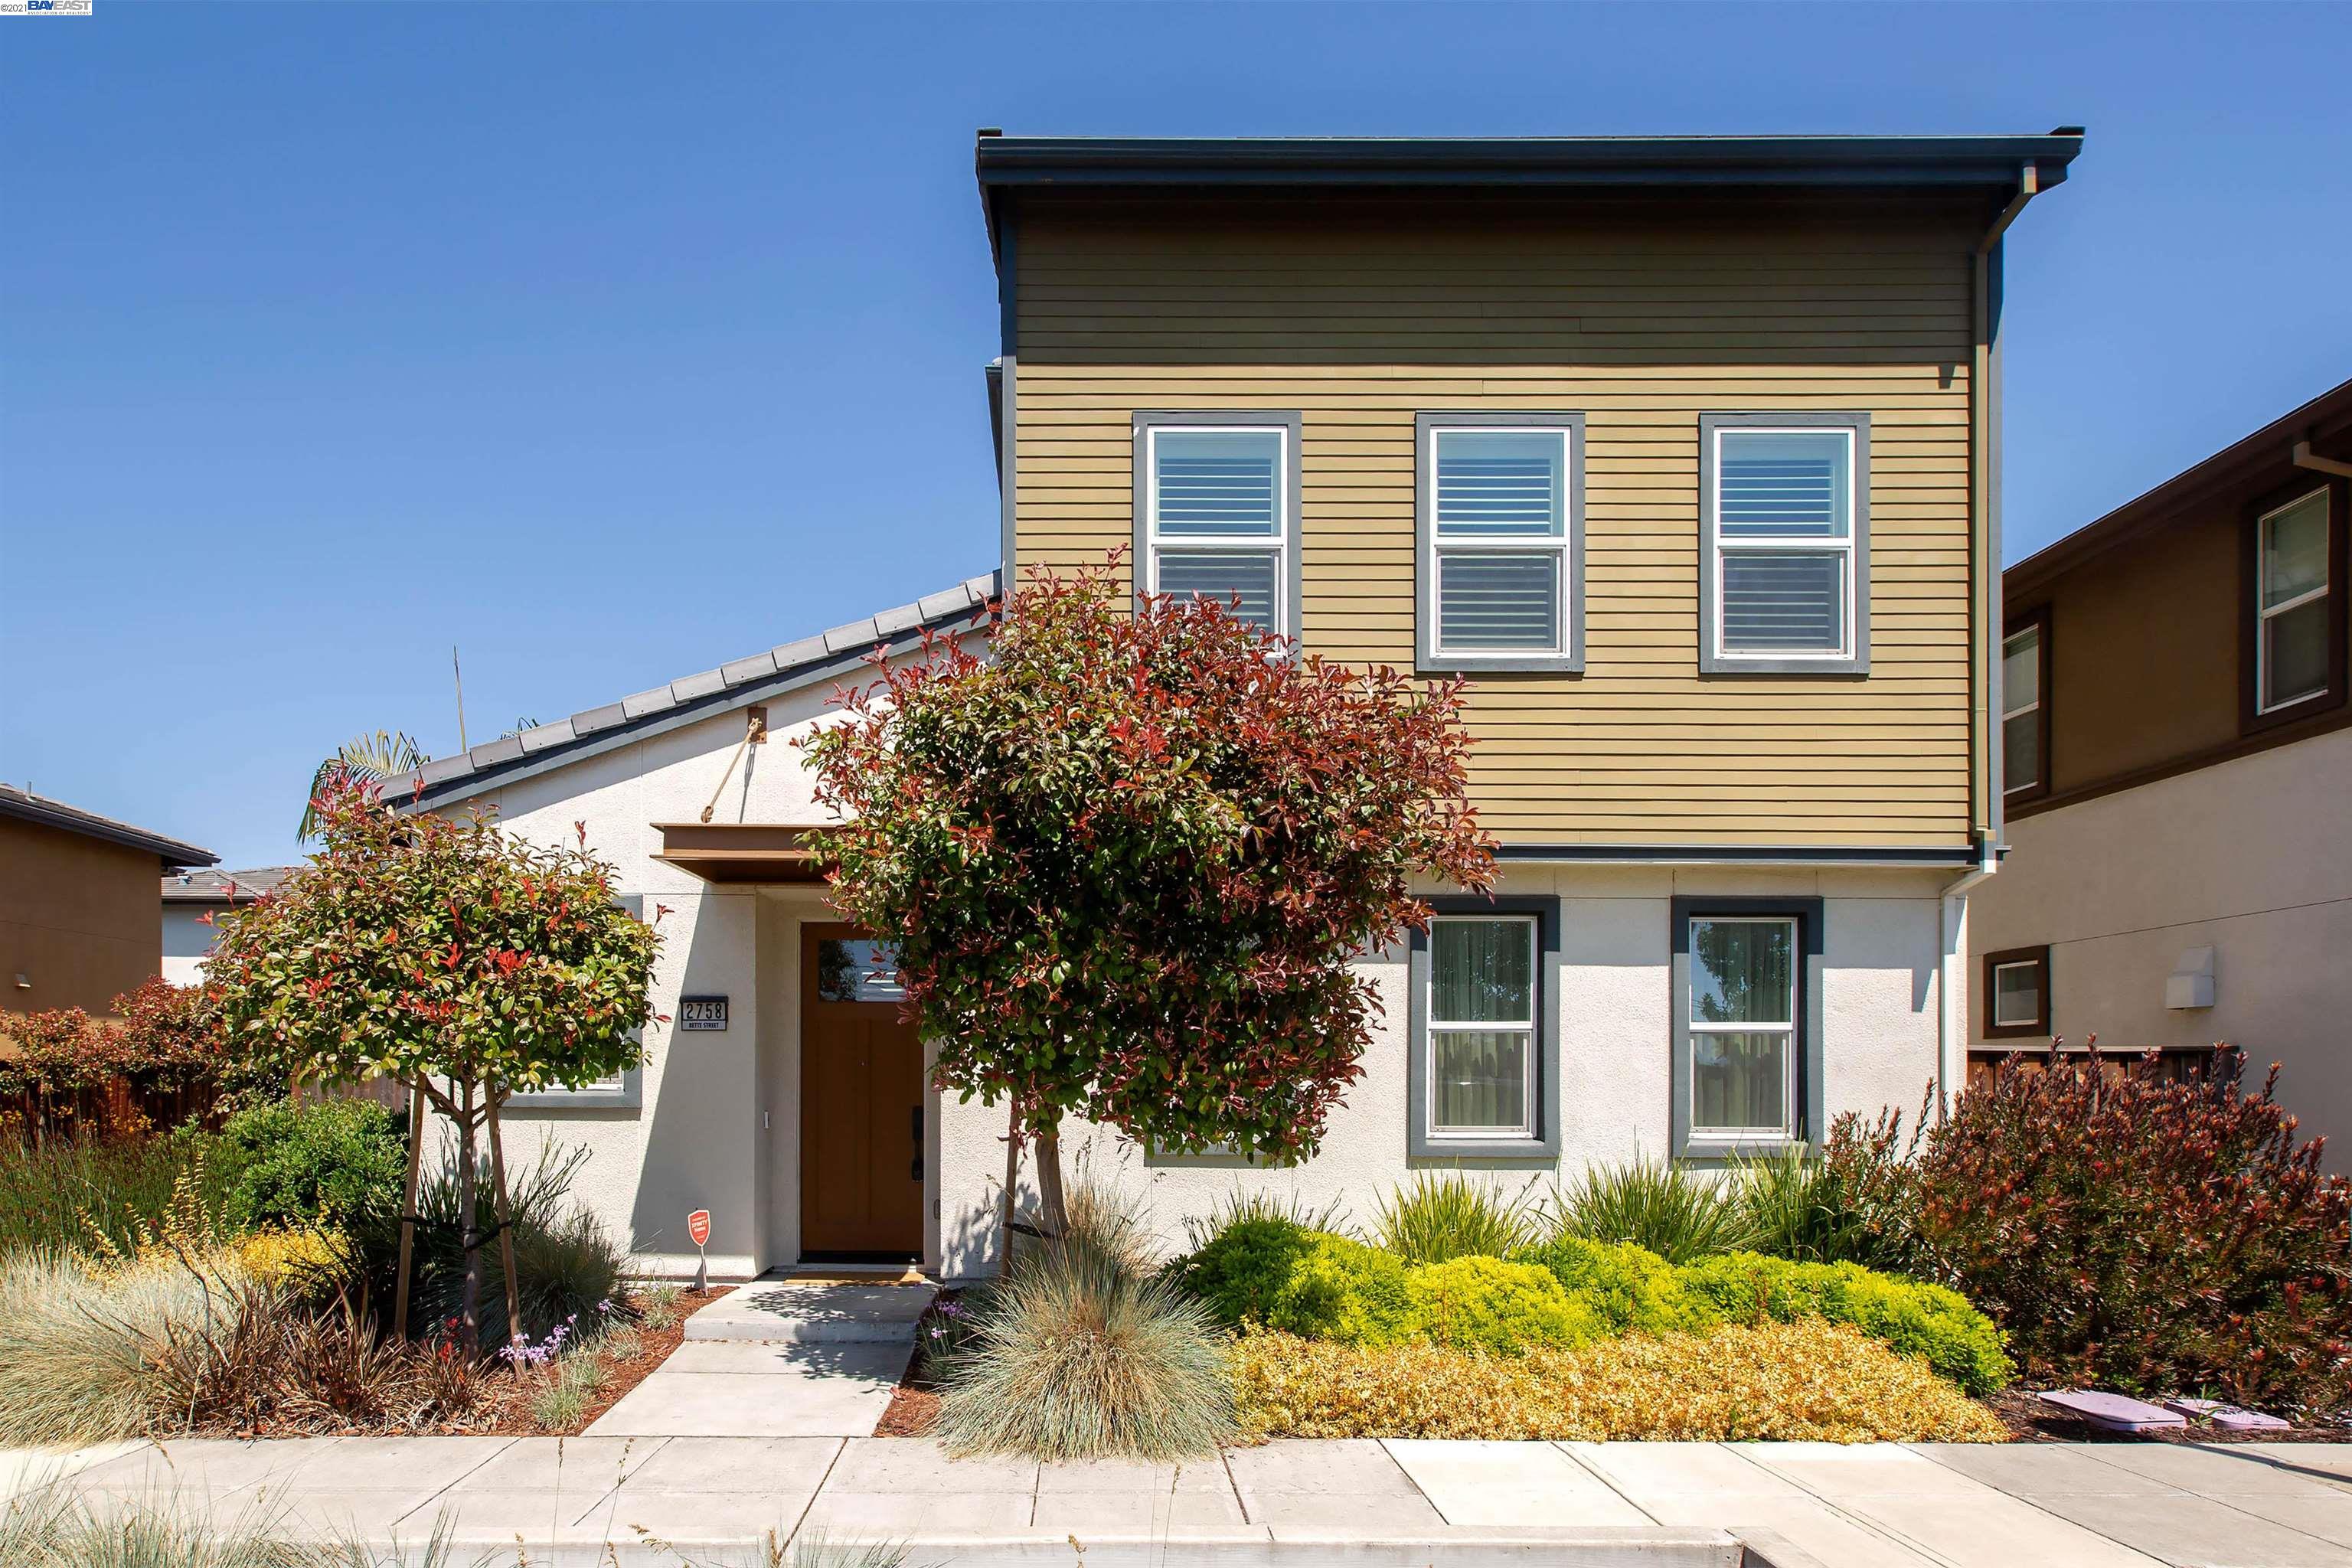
(2229, 1418)
(2113, 1412)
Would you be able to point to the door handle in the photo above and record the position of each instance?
(917, 1121)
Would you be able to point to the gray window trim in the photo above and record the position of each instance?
(630, 1094)
(1291, 421)
(1808, 914)
(1420, 1144)
(1711, 662)
(1427, 656)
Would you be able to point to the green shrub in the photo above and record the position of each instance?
(1245, 1203)
(1451, 1215)
(1503, 1309)
(1283, 1276)
(1074, 1355)
(1676, 1213)
(1924, 1322)
(337, 1163)
(1631, 1288)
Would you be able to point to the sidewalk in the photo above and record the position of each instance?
(1395, 1504)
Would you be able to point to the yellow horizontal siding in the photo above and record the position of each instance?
(1640, 326)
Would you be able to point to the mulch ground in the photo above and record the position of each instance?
(2030, 1421)
(514, 1417)
(915, 1402)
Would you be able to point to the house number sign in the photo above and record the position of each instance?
(702, 1013)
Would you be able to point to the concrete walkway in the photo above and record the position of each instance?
(1393, 1504)
(778, 1358)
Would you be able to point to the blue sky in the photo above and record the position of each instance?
(614, 343)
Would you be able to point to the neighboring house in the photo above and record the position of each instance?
(77, 903)
(1681, 452)
(191, 896)
(2179, 774)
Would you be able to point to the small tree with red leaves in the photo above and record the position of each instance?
(1126, 859)
(461, 961)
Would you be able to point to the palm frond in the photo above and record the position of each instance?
(363, 759)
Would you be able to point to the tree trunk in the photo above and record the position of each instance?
(408, 1210)
(469, 1233)
(505, 1226)
(1048, 1139)
(1004, 1199)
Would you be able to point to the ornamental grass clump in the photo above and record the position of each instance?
(1810, 1381)
(79, 1339)
(1451, 1215)
(1675, 1212)
(1074, 1355)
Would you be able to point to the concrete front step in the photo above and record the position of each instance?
(785, 1312)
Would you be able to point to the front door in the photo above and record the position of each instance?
(861, 1104)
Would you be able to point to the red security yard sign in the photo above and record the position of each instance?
(698, 1225)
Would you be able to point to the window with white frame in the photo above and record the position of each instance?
(1742, 1026)
(2016, 991)
(2291, 652)
(1481, 1036)
(1787, 551)
(1217, 514)
(2021, 713)
(1499, 509)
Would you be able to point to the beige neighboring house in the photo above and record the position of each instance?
(1681, 452)
(191, 896)
(2179, 774)
(77, 920)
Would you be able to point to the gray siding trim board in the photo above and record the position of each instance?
(1291, 421)
(1809, 915)
(1710, 612)
(1427, 656)
(1420, 1143)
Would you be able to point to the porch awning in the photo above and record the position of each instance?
(741, 851)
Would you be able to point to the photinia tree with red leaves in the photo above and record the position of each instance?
(1126, 859)
(465, 963)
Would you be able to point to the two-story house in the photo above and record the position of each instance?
(2179, 774)
(1685, 453)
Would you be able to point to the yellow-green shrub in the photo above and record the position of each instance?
(302, 1263)
(1910, 1318)
(1485, 1304)
(1280, 1275)
(1810, 1381)
(1632, 1288)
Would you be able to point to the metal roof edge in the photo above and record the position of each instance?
(2162, 502)
(595, 731)
(27, 806)
(1030, 161)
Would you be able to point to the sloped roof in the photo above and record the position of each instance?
(788, 667)
(29, 807)
(225, 886)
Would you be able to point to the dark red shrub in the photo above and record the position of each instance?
(2130, 1232)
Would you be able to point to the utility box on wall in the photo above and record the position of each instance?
(2190, 983)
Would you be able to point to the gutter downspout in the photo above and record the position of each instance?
(1951, 928)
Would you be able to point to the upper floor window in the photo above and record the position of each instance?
(2024, 710)
(1784, 584)
(2293, 618)
(1500, 558)
(1216, 511)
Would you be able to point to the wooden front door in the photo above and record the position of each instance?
(861, 1105)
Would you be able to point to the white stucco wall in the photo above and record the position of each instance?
(719, 1125)
(1879, 999)
(2252, 858)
